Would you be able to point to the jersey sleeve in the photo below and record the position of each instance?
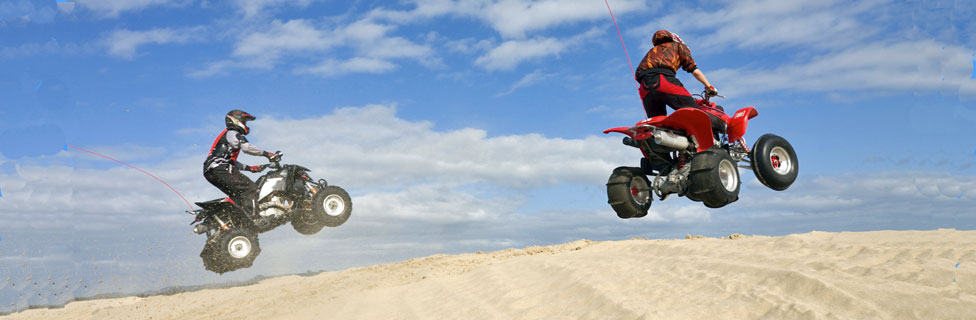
(251, 149)
(684, 56)
(239, 142)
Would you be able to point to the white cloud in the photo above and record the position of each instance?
(372, 40)
(252, 8)
(514, 18)
(50, 47)
(885, 67)
(897, 194)
(435, 204)
(693, 213)
(746, 24)
(372, 47)
(332, 67)
(263, 49)
(127, 151)
(399, 153)
(469, 45)
(527, 80)
(124, 43)
(213, 69)
(112, 8)
(511, 53)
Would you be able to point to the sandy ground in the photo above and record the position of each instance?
(818, 275)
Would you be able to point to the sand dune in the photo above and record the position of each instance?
(818, 275)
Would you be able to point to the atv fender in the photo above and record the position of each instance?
(739, 122)
(695, 122)
(624, 130)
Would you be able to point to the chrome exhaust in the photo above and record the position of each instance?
(669, 139)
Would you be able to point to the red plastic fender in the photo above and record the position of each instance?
(624, 130)
(636, 133)
(693, 121)
(739, 122)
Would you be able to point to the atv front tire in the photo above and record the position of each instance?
(629, 192)
(714, 178)
(774, 162)
(333, 206)
(232, 249)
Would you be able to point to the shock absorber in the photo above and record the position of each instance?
(682, 158)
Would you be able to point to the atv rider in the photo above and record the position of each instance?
(656, 75)
(224, 171)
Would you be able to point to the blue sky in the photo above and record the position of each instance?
(457, 126)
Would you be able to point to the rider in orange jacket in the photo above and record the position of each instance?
(656, 75)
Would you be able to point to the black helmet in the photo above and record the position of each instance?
(237, 119)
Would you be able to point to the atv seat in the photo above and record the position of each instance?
(214, 201)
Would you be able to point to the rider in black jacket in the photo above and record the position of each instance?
(224, 171)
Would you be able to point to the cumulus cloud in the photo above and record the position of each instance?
(370, 43)
(745, 24)
(511, 53)
(123, 43)
(263, 48)
(369, 39)
(400, 153)
(513, 19)
(924, 65)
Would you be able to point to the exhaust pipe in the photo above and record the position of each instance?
(668, 139)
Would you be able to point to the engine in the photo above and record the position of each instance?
(275, 206)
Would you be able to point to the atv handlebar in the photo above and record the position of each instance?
(276, 163)
(705, 96)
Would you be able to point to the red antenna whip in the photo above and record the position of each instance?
(140, 170)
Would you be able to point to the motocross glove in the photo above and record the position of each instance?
(273, 156)
(710, 90)
(255, 169)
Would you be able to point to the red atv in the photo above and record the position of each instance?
(694, 153)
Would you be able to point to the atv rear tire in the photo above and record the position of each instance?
(232, 249)
(332, 205)
(774, 162)
(714, 178)
(629, 192)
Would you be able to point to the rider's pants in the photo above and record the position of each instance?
(235, 184)
(658, 90)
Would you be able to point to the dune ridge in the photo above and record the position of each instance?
(816, 275)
